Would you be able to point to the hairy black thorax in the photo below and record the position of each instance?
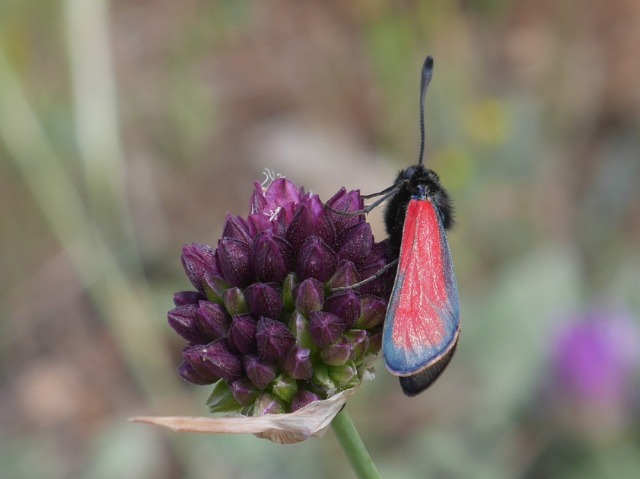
(415, 182)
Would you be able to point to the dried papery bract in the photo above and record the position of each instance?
(311, 420)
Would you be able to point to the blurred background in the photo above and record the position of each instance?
(129, 128)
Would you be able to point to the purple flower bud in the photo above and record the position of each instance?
(212, 320)
(197, 260)
(187, 372)
(187, 297)
(284, 388)
(346, 274)
(301, 226)
(325, 328)
(310, 219)
(259, 222)
(309, 296)
(274, 339)
(380, 257)
(359, 340)
(315, 260)
(260, 372)
(193, 355)
(235, 261)
(235, 301)
(338, 353)
(375, 342)
(298, 364)
(280, 220)
(346, 305)
(272, 256)
(244, 391)
(372, 312)
(267, 404)
(281, 192)
(273, 209)
(242, 334)
(183, 320)
(214, 288)
(237, 228)
(221, 361)
(258, 201)
(264, 300)
(343, 201)
(302, 398)
(355, 243)
(323, 226)
(299, 326)
(378, 286)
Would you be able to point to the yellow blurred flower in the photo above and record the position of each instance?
(487, 122)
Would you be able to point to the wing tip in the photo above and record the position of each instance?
(394, 355)
(414, 384)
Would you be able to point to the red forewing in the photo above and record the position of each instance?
(423, 317)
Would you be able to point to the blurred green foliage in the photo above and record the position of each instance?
(129, 128)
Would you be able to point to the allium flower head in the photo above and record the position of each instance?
(264, 323)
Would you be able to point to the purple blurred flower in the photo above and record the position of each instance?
(263, 323)
(595, 355)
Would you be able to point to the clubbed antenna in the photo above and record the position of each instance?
(427, 73)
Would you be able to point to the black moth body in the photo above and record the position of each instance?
(421, 184)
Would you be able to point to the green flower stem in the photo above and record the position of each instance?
(353, 446)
